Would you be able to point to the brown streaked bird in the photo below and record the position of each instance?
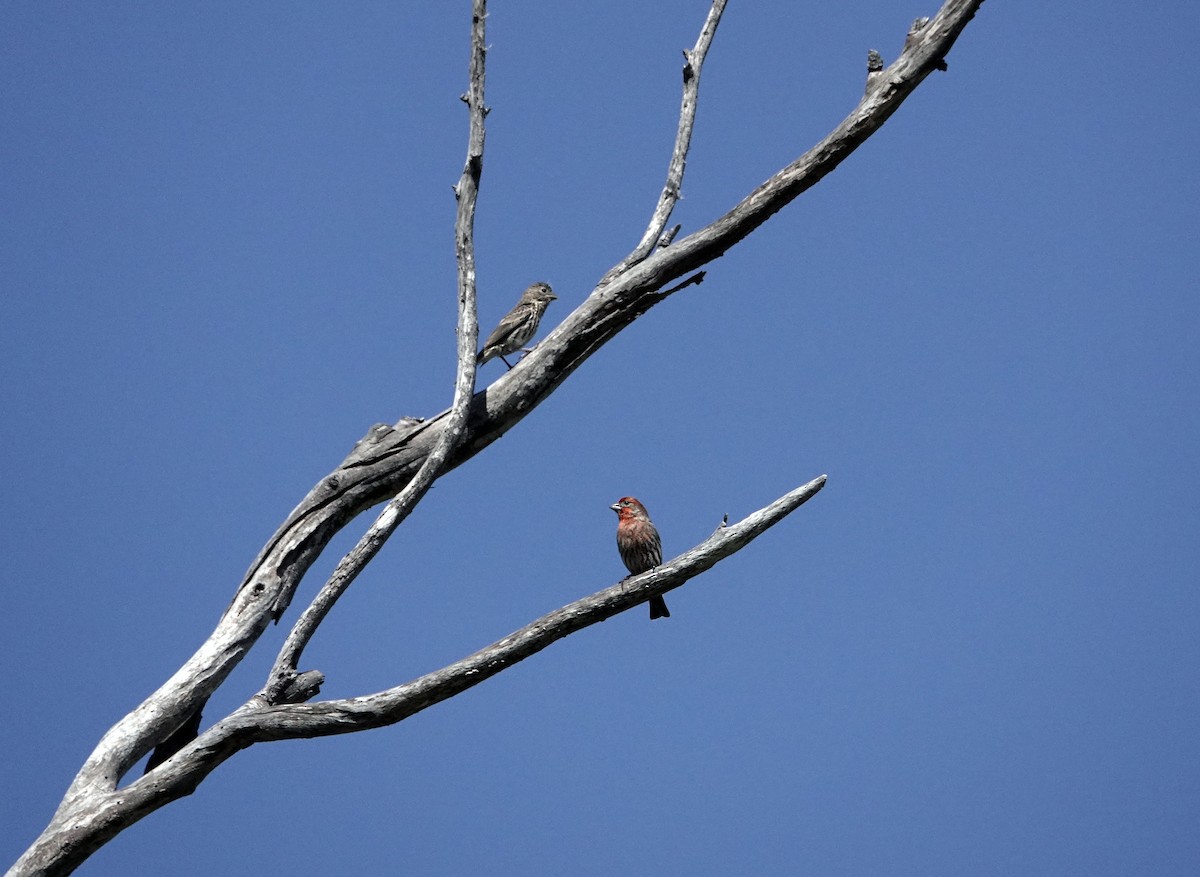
(518, 325)
(640, 545)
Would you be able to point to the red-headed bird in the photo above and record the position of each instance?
(639, 544)
(519, 325)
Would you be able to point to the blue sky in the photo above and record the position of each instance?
(226, 251)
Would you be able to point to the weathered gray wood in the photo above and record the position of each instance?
(693, 64)
(388, 459)
(108, 812)
(454, 429)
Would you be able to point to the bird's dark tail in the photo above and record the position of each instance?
(658, 608)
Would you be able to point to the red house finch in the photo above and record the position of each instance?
(639, 544)
(518, 325)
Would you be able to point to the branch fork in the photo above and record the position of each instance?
(397, 464)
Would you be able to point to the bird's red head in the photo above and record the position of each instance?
(628, 508)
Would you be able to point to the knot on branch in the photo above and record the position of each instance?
(288, 686)
(689, 69)
(874, 69)
(302, 687)
(918, 25)
(913, 39)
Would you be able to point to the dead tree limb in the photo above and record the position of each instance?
(394, 513)
(693, 63)
(392, 461)
(110, 813)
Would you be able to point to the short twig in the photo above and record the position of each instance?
(693, 62)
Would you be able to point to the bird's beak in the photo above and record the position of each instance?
(616, 507)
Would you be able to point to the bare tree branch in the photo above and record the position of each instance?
(114, 811)
(401, 506)
(693, 62)
(118, 749)
(387, 458)
(395, 704)
(387, 455)
(401, 461)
